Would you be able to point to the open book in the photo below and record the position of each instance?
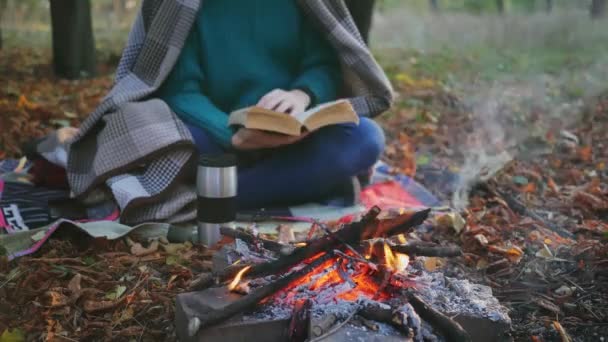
(327, 114)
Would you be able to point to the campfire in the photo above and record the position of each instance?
(355, 274)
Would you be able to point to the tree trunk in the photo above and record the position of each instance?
(2, 8)
(73, 42)
(549, 7)
(598, 9)
(434, 5)
(500, 6)
(362, 12)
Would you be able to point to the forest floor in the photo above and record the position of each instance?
(536, 228)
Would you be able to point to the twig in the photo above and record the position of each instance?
(387, 275)
(17, 274)
(451, 330)
(336, 327)
(522, 209)
(250, 238)
(428, 251)
(368, 263)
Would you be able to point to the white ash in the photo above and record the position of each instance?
(459, 296)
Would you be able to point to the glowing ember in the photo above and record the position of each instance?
(396, 261)
(235, 282)
(370, 251)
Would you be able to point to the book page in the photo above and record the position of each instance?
(302, 117)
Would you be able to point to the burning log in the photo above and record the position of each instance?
(367, 227)
(251, 300)
(428, 251)
(451, 330)
(300, 320)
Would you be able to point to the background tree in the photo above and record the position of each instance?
(73, 42)
(3, 4)
(363, 12)
(598, 9)
(549, 6)
(500, 6)
(434, 5)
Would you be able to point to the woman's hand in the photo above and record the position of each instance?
(254, 139)
(290, 102)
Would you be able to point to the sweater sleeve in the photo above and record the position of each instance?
(320, 69)
(183, 92)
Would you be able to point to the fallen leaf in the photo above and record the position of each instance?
(172, 260)
(452, 220)
(117, 293)
(554, 188)
(123, 316)
(15, 335)
(529, 188)
(544, 253)
(520, 180)
(482, 239)
(585, 153)
(562, 332)
(74, 284)
(173, 248)
(55, 299)
(91, 306)
(138, 250)
(431, 264)
(545, 304)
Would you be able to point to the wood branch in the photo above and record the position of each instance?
(451, 330)
(251, 239)
(384, 314)
(300, 321)
(368, 227)
(522, 209)
(428, 251)
(323, 326)
(251, 300)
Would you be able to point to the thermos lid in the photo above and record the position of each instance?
(217, 160)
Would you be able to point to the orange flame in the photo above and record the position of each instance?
(396, 261)
(370, 251)
(237, 279)
(402, 239)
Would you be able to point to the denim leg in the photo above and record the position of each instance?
(308, 170)
(203, 141)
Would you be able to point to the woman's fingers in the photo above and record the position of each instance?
(285, 106)
(272, 99)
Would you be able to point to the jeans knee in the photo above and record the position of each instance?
(371, 140)
(361, 150)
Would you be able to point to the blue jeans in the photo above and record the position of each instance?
(306, 171)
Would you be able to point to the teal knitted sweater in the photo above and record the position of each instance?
(238, 51)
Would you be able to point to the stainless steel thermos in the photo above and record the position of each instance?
(216, 183)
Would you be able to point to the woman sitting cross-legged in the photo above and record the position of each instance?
(241, 53)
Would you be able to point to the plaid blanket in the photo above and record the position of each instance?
(136, 147)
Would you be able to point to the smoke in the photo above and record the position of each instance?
(509, 113)
(555, 69)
